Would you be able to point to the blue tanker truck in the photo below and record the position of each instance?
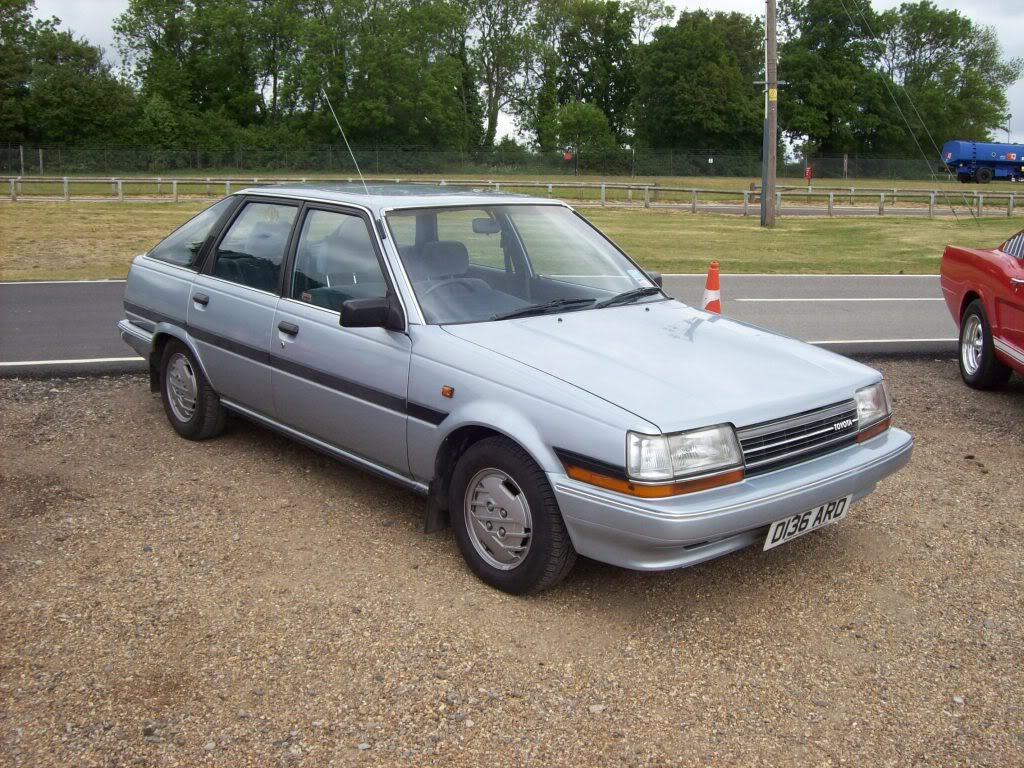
(981, 162)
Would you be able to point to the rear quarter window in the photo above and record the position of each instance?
(182, 247)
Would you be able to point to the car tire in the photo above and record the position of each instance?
(983, 175)
(506, 519)
(190, 403)
(979, 367)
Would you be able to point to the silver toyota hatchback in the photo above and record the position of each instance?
(500, 356)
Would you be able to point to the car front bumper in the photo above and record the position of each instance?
(651, 535)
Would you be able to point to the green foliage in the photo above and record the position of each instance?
(72, 95)
(15, 65)
(544, 119)
(583, 128)
(198, 56)
(503, 49)
(596, 51)
(647, 16)
(945, 73)
(885, 83)
(825, 60)
(597, 74)
(695, 83)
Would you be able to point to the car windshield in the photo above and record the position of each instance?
(496, 262)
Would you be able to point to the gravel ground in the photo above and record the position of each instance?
(248, 602)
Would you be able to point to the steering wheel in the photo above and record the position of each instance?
(462, 282)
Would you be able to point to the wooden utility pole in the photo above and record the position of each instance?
(771, 119)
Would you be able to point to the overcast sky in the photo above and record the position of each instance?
(92, 19)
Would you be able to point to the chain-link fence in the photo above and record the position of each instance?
(53, 160)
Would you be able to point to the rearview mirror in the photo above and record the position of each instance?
(378, 312)
(486, 226)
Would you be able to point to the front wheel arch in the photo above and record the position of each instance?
(506, 518)
(454, 445)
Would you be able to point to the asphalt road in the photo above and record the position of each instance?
(851, 314)
(61, 328)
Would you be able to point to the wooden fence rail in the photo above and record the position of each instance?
(831, 200)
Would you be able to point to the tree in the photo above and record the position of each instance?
(15, 66)
(543, 119)
(72, 95)
(199, 55)
(695, 84)
(584, 128)
(825, 60)
(275, 36)
(595, 46)
(406, 86)
(647, 16)
(944, 73)
(930, 75)
(502, 50)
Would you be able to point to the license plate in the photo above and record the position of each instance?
(794, 526)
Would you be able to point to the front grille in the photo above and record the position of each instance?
(776, 444)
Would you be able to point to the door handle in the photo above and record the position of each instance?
(287, 328)
(1017, 281)
(201, 298)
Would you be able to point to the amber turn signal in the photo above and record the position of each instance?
(657, 491)
(872, 431)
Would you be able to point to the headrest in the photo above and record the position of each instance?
(442, 258)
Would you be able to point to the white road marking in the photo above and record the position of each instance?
(84, 361)
(61, 282)
(785, 276)
(878, 341)
(906, 298)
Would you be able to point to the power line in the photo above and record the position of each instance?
(910, 129)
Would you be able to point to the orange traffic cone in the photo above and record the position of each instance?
(712, 295)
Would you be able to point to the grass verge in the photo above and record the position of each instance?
(75, 241)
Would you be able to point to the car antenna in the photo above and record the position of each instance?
(352, 154)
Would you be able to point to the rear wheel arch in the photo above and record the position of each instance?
(156, 354)
(190, 403)
(979, 366)
(969, 298)
(160, 340)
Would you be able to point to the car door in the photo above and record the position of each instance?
(232, 304)
(344, 386)
(1009, 298)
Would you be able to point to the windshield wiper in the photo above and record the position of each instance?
(540, 309)
(628, 296)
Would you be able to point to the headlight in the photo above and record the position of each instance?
(873, 404)
(662, 458)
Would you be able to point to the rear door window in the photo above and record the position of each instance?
(252, 250)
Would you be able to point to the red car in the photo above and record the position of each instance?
(984, 290)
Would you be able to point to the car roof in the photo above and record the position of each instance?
(380, 197)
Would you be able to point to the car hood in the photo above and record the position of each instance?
(675, 366)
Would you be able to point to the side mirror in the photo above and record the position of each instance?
(656, 277)
(378, 312)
